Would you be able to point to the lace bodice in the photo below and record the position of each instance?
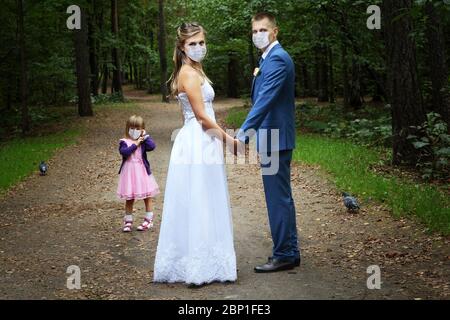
(208, 98)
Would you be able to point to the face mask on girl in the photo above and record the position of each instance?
(134, 133)
(261, 39)
(197, 53)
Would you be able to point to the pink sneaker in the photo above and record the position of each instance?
(127, 226)
(147, 224)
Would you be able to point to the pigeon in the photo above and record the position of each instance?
(350, 202)
(43, 168)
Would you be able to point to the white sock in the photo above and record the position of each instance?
(149, 215)
(128, 217)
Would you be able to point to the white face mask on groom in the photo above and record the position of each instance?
(261, 39)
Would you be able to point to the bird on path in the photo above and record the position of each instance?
(43, 168)
(350, 202)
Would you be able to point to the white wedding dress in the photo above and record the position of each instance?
(196, 236)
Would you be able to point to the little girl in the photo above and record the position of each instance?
(136, 180)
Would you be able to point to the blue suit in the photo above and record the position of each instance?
(273, 98)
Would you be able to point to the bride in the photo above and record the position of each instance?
(196, 237)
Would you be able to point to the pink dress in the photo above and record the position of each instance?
(134, 181)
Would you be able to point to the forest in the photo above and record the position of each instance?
(404, 65)
(383, 87)
(372, 114)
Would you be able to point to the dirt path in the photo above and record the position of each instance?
(72, 217)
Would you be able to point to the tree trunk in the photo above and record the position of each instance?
(162, 51)
(130, 72)
(233, 82)
(135, 76)
(23, 69)
(323, 92)
(93, 54)
(378, 94)
(437, 63)
(148, 76)
(331, 74)
(345, 77)
(105, 78)
(316, 76)
(116, 85)
(355, 86)
(251, 61)
(82, 68)
(305, 91)
(404, 91)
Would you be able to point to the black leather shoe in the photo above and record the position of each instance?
(274, 265)
(296, 261)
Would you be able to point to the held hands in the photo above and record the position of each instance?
(236, 147)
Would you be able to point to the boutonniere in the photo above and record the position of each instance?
(257, 72)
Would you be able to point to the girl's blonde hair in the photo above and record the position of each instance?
(184, 32)
(134, 122)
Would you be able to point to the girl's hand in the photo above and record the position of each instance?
(139, 141)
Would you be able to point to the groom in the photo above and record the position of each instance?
(272, 117)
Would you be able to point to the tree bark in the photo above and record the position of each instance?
(82, 67)
(305, 91)
(23, 69)
(233, 82)
(404, 90)
(162, 51)
(331, 74)
(438, 70)
(345, 77)
(136, 76)
(251, 61)
(355, 101)
(105, 78)
(117, 79)
(323, 92)
(93, 51)
(130, 72)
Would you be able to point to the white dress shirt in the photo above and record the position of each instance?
(265, 54)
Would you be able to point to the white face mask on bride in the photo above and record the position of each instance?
(197, 53)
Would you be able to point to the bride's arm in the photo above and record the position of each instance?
(191, 83)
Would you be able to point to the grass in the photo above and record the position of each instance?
(350, 169)
(349, 166)
(236, 117)
(21, 156)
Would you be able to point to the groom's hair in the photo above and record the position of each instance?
(263, 15)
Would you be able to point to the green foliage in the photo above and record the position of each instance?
(433, 141)
(368, 126)
(236, 116)
(116, 97)
(21, 156)
(40, 116)
(351, 166)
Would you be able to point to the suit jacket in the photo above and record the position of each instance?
(126, 151)
(273, 99)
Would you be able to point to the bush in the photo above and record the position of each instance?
(434, 143)
(369, 126)
(101, 98)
